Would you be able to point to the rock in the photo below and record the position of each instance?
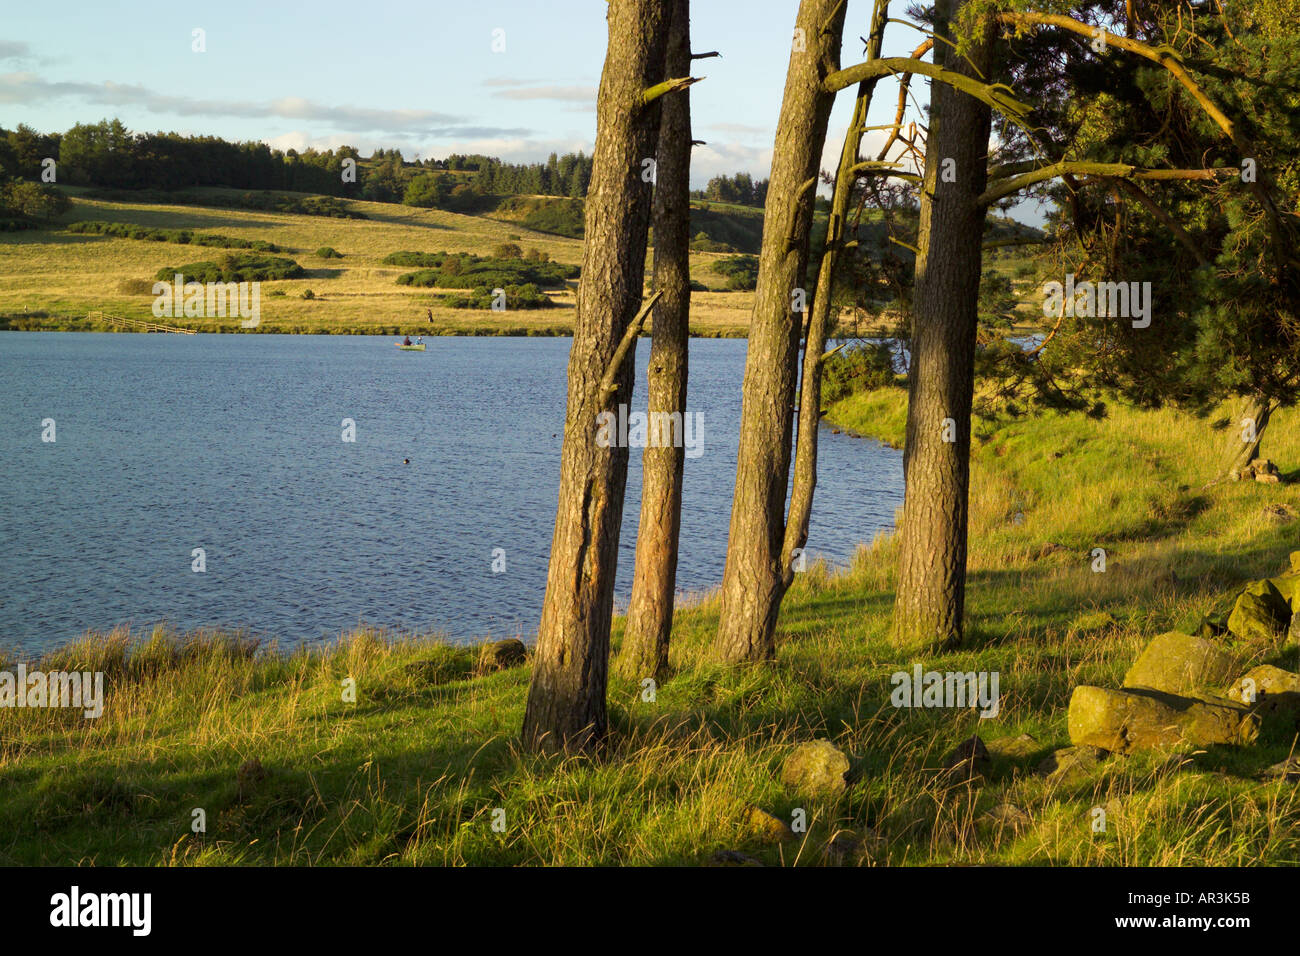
(502, 655)
(1277, 696)
(843, 844)
(1264, 470)
(1070, 765)
(768, 827)
(1179, 663)
(1261, 612)
(969, 762)
(733, 858)
(1006, 816)
(815, 767)
(1288, 770)
(249, 775)
(1269, 681)
(1014, 748)
(1293, 632)
(1279, 513)
(1124, 721)
(1295, 562)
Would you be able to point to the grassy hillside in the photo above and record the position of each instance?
(413, 770)
(54, 278)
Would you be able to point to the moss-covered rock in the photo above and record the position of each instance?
(1179, 663)
(1260, 614)
(1125, 721)
(816, 767)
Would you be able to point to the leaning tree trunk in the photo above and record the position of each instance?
(566, 700)
(821, 320)
(1244, 435)
(650, 612)
(752, 583)
(931, 593)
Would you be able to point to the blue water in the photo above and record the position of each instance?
(167, 443)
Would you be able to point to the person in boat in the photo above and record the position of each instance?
(419, 340)
(408, 341)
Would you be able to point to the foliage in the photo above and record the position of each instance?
(464, 271)
(235, 268)
(123, 230)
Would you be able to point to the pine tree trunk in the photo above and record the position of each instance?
(566, 700)
(821, 322)
(930, 601)
(1241, 449)
(650, 612)
(753, 581)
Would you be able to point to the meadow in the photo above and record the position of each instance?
(413, 771)
(54, 278)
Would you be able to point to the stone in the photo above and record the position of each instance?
(1261, 612)
(502, 655)
(768, 827)
(1269, 681)
(1067, 766)
(1125, 721)
(1279, 513)
(816, 767)
(1006, 816)
(1179, 663)
(1014, 748)
(733, 858)
(1288, 770)
(969, 762)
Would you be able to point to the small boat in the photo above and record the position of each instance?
(411, 348)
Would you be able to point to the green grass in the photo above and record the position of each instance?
(412, 771)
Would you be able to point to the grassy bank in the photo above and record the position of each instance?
(413, 770)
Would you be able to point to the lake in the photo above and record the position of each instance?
(233, 444)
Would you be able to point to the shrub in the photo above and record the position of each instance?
(464, 271)
(308, 294)
(741, 271)
(328, 252)
(858, 368)
(508, 250)
(235, 268)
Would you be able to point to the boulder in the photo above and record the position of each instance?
(1070, 765)
(1288, 770)
(969, 762)
(1125, 721)
(767, 827)
(1006, 816)
(1014, 748)
(1269, 681)
(1179, 663)
(816, 767)
(1265, 471)
(1261, 612)
(502, 655)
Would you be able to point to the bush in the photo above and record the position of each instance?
(861, 367)
(741, 272)
(464, 271)
(184, 237)
(328, 252)
(526, 296)
(308, 294)
(233, 268)
(508, 250)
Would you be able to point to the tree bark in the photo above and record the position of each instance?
(930, 600)
(752, 583)
(1241, 451)
(820, 321)
(566, 699)
(650, 612)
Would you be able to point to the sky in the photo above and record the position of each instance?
(422, 77)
